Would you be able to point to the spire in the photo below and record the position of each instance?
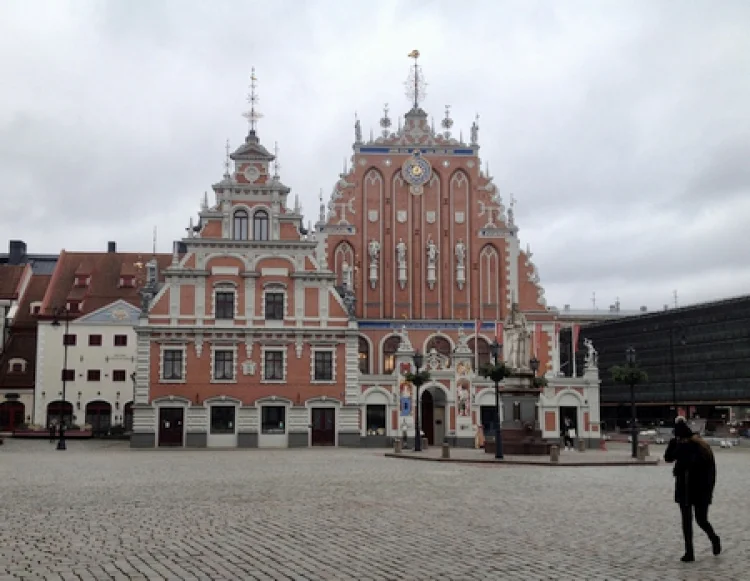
(322, 216)
(253, 114)
(447, 123)
(226, 162)
(385, 121)
(415, 84)
(204, 203)
(276, 164)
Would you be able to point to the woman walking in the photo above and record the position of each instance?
(695, 477)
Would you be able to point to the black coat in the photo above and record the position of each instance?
(694, 472)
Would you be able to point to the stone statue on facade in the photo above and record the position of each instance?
(405, 344)
(401, 251)
(374, 250)
(432, 252)
(460, 252)
(518, 337)
(357, 132)
(592, 356)
(346, 275)
(475, 132)
(463, 401)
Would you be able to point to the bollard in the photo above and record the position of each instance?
(581, 445)
(642, 452)
(425, 443)
(397, 446)
(446, 450)
(554, 454)
(603, 445)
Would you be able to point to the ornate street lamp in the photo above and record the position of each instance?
(497, 374)
(417, 381)
(534, 364)
(56, 315)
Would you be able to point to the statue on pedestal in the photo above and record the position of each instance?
(518, 337)
(592, 356)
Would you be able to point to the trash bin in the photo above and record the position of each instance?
(554, 454)
(581, 445)
(397, 446)
(446, 450)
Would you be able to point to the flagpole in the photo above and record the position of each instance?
(573, 348)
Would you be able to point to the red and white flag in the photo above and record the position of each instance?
(499, 331)
(537, 338)
(478, 327)
(576, 331)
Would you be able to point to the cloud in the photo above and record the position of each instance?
(622, 129)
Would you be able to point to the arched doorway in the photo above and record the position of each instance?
(11, 415)
(60, 412)
(99, 416)
(127, 417)
(433, 414)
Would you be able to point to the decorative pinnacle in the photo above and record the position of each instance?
(385, 121)
(276, 164)
(252, 115)
(415, 84)
(226, 161)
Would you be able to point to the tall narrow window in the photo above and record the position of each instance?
(389, 353)
(172, 364)
(224, 305)
(274, 365)
(274, 306)
(241, 223)
(323, 366)
(364, 356)
(260, 225)
(223, 364)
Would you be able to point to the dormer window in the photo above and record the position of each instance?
(74, 306)
(127, 281)
(35, 308)
(17, 365)
(260, 225)
(82, 280)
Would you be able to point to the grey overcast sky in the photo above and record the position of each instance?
(622, 128)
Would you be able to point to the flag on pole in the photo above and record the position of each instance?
(499, 331)
(576, 331)
(477, 328)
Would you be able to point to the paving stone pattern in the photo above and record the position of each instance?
(103, 512)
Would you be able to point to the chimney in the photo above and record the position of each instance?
(111, 246)
(16, 252)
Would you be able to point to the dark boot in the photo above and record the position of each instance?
(716, 544)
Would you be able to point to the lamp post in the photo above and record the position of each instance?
(418, 360)
(630, 360)
(495, 350)
(56, 314)
(534, 364)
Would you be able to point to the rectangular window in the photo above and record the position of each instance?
(323, 366)
(389, 363)
(222, 419)
(118, 375)
(95, 340)
(225, 305)
(275, 306)
(93, 375)
(273, 419)
(68, 374)
(274, 365)
(375, 420)
(69, 340)
(223, 364)
(121, 340)
(172, 364)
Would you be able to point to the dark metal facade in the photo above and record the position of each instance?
(697, 355)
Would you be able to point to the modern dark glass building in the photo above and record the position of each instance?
(697, 359)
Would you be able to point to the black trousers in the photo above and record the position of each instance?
(701, 517)
(568, 441)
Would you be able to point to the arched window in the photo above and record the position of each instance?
(260, 225)
(241, 224)
(439, 344)
(483, 357)
(364, 356)
(389, 353)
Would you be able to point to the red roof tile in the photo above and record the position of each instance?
(10, 276)
(104, 286)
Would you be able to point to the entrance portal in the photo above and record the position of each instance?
(433, 413)
(323, 426)
(171, 426)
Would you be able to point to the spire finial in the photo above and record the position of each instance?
(415, 84)
(322, 216)
(253, 114)
(276, 164)
(226, 161)
(204, 204)
(154, 240)
(385, 121)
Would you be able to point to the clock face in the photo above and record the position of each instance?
(252, 173)
(416, 170)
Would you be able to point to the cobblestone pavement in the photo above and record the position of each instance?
(100, 512)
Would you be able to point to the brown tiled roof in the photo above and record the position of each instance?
(35, 291)
(21, 344)
(10, 276)
(104, 286)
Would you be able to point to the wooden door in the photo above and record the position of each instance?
(11, 415)
(323, 426)
(428, 417)
(171, 422)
